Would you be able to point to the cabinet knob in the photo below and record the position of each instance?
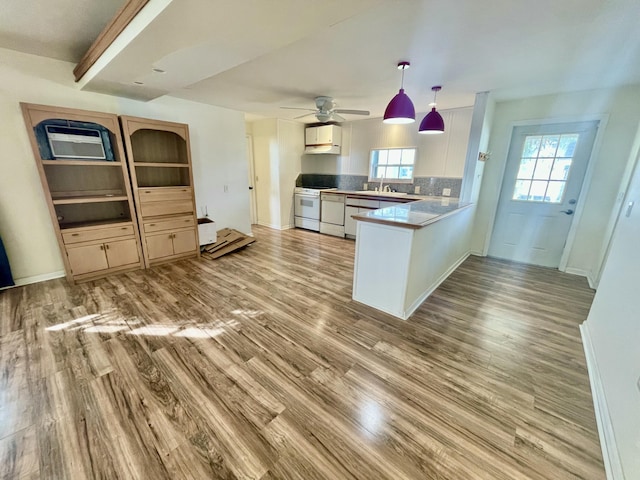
(187, 221)
(152, 224)
(101, 247)
(75, 234)
(123, 228)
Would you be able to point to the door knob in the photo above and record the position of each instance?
(568, 212)
(572, 201)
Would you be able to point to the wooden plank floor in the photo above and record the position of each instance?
(259, 365)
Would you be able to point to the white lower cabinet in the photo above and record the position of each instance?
(349, 223)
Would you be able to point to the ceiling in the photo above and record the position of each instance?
(62, 29)
(255, 56)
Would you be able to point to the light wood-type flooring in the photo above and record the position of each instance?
(259, 365)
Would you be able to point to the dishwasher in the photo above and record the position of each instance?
(332, 214)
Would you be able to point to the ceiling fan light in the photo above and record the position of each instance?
(432, 123)
(400, 109)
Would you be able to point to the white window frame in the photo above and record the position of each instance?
(393, 180)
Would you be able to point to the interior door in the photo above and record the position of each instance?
(545, 169)
(252, 183)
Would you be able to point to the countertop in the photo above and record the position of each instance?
(416, 214)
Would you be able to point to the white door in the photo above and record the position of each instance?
(252, 177)
(542, 181)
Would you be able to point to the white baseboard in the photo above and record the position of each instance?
(612, 464)
(583, 273)
(276, 226)
(36, 279)
(415, 305)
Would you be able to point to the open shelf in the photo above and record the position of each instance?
(82, 214)
(162, 165)
(158, 146)
(91, 163)
(69, 181)
(148, 176)
(69, 200)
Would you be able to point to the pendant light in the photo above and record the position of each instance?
(432, 123)
(400, 108)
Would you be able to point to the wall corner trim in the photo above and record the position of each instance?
(612, 464)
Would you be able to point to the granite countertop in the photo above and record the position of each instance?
(415, 214)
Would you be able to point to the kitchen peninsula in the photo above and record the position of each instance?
(404, 252)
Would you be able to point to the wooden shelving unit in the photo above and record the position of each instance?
(159, 158)
(90, 201)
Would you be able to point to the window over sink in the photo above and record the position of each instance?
(392, 164)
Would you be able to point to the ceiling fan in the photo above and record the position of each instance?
(326, 110)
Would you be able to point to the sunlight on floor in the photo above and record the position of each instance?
(110, 322)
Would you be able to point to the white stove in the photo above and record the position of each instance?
(307, 207)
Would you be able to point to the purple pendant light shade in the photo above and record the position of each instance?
(432, 123)
(400, 108)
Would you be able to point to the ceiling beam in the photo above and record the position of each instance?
(114, 28)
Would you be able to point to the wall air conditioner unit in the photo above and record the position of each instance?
(323, 139)
(78, 143)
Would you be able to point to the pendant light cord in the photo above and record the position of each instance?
(402, 81)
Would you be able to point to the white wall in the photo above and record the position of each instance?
(620, 107)
(612, 339)
(291, 142)
(277, 149)
(438, 155)
(217, 142)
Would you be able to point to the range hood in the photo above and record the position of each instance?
(323, 139)
(331, 149)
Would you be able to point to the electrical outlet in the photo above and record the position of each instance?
(446, 192)
(365, 186)
(416, 190)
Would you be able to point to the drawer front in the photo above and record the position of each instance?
(164, 194)
(96, 234)
(169, 224)
(154, 209)
(369, 203)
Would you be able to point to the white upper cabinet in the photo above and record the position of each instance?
(323, 139)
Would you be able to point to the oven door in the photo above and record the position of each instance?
(307, 206)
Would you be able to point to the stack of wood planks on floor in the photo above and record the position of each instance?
(229, 240)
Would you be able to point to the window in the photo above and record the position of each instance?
(544, 167)
(392, 164)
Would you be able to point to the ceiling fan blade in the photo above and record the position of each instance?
(337, 117)
(298, 108)
(352, 112)
(305, 115)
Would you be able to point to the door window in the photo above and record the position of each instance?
(545, 163)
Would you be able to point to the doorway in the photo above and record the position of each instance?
(252, 181)
(545, 170)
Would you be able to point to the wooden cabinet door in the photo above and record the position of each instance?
(159, 246)
(87, 259)
(184, 241)
(122, 252)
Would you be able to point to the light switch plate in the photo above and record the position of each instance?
(446, 192)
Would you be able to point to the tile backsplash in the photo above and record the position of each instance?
(428, 185)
